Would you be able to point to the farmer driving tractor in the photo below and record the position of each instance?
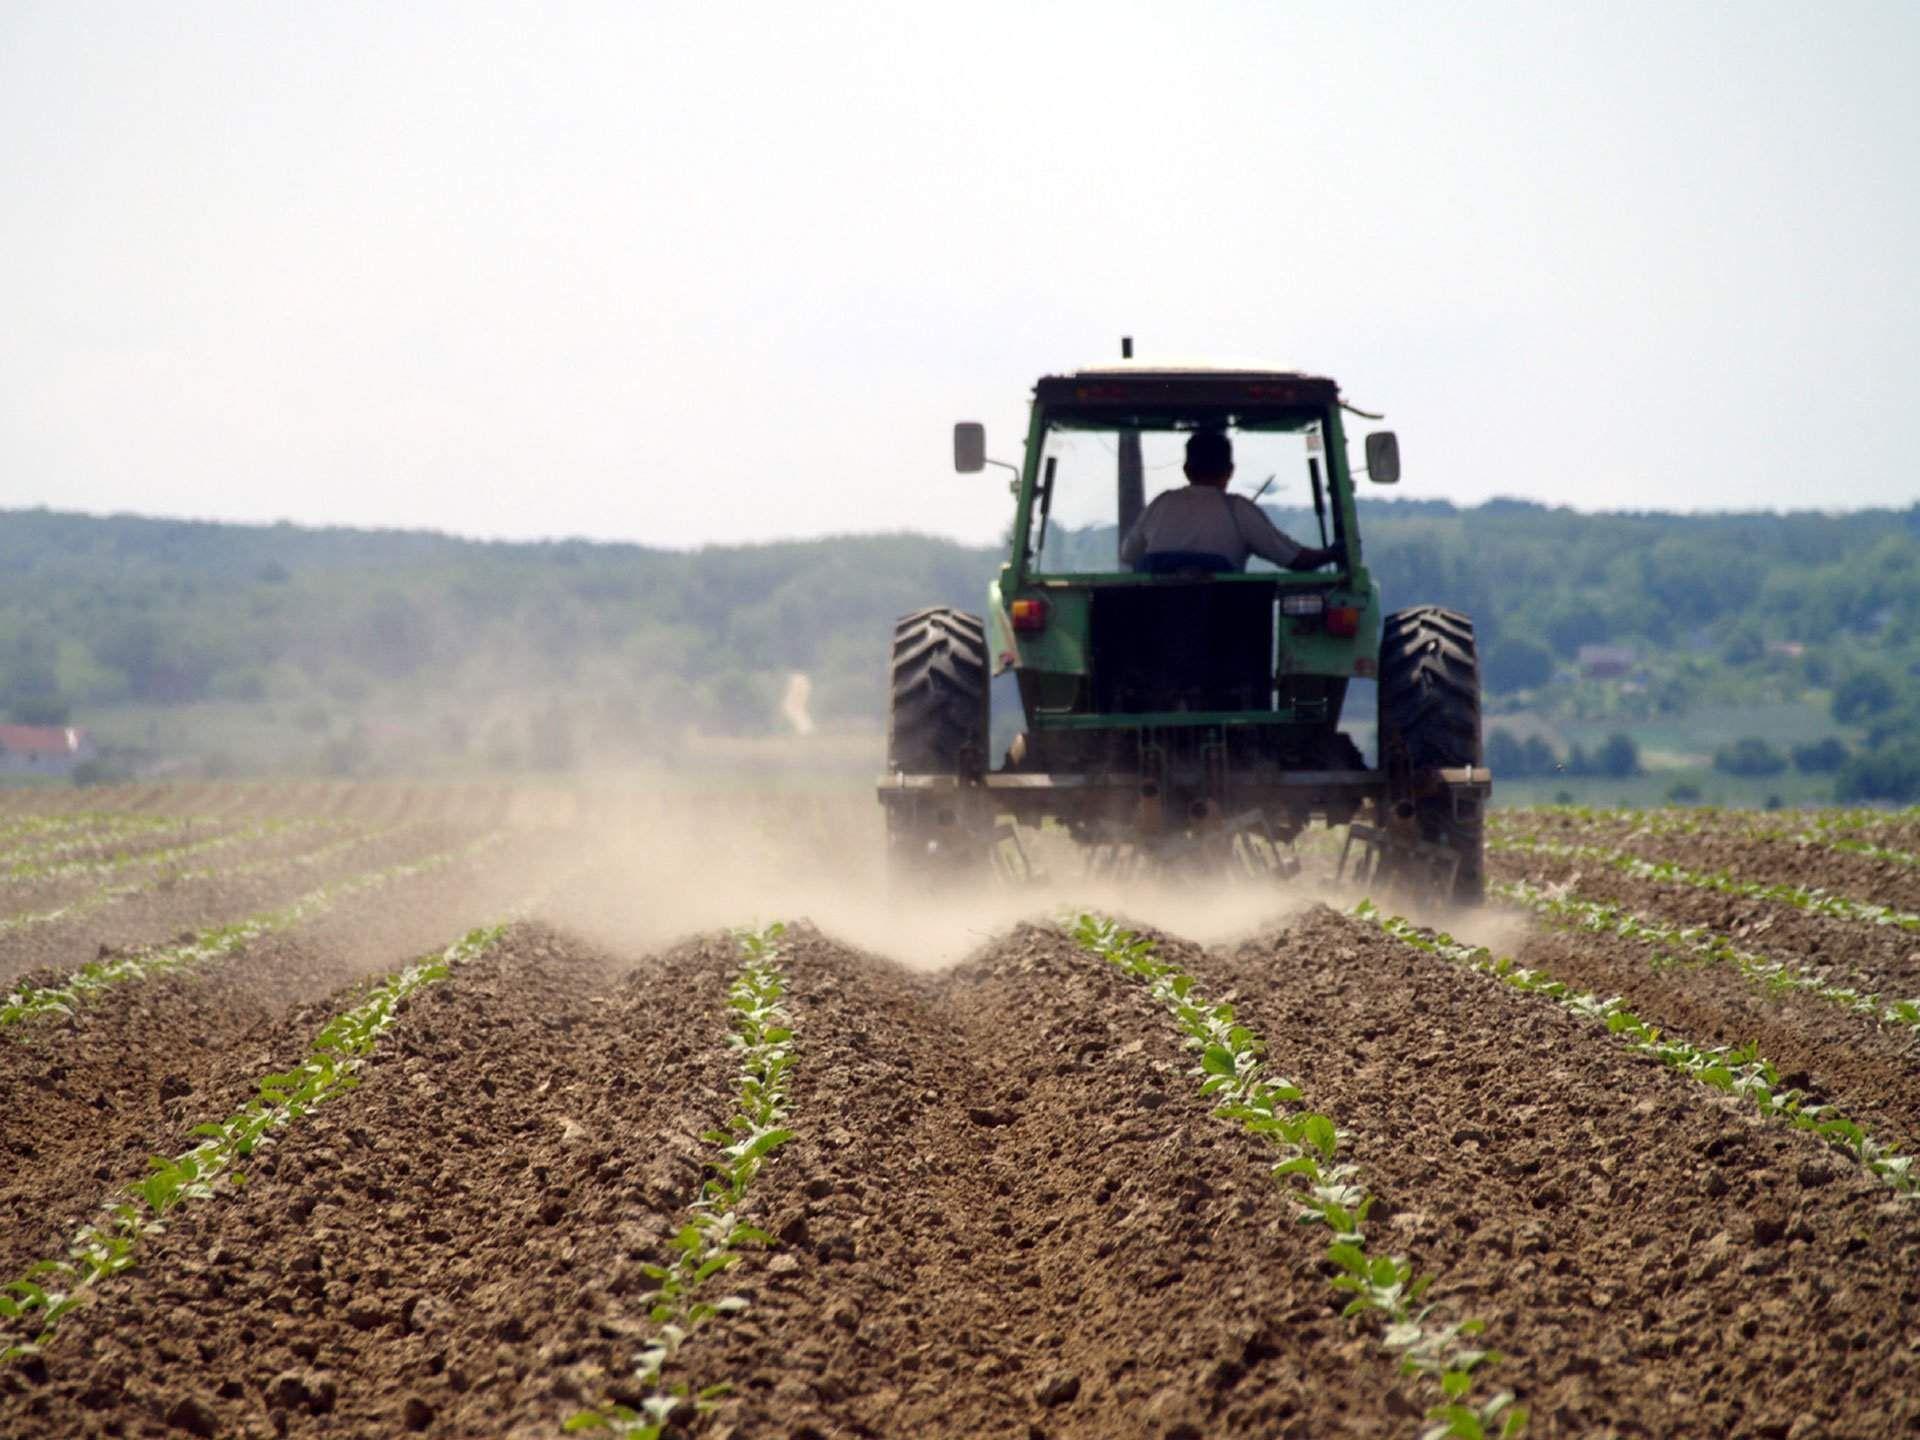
(1202, 527)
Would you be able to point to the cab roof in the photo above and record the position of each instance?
(1199, 393)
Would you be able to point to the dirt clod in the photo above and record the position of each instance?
(192, 1415)
(1058, 1389)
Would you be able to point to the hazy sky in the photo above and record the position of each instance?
(689, 273)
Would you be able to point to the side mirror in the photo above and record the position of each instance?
(1383, 457)
(969, 447)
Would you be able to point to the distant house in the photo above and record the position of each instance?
(43, 749)
(1606, 662)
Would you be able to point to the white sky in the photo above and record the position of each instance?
(688, 273)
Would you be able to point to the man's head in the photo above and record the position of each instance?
(1209, 458)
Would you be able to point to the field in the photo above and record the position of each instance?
(369, 1111)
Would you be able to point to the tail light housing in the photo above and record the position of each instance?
(1343, 621)
(1028, 617)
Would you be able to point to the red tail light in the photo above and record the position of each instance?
(1028, 616)
(1343, 621)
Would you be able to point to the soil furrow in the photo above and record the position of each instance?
(453, 1248)
(1760, 860)
(1839, 1056)
(169, 911)
(1009, 1212)
(1649, 1253)
(1870, 957)
(127, 1075)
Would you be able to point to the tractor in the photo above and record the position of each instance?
(1182, 719)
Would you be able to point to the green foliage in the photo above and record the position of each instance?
(1863, 695)
(1517, 663)
(1514, 759)
(1890, 771)
(1749, 756)
(1820, 757)
(168, 612)
(1232, 1073)
(40, 710)
(106, 1246)
(1618, 757)
(713, 1236)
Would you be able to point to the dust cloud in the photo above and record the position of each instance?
(650, 869)
(633, 866)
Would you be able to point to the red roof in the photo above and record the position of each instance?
(42, 739)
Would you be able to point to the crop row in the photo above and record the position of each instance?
(1664, 872)
(1306, 1143)
(1775, 976)
(713, 1236)
(112, 894)
(1738, 1070)
(1835, 830)
(215, 943)
(32, 1306)
(33, 870)
(97, 822)
(29, 859)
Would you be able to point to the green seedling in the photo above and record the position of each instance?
(106, 1246)
(1662, 872)
(113, 894)
(1706, 946)
(29, 1001)
(1737, 1070)
(713, 1237)
(1307, 1144)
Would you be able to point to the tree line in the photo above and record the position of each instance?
(100, 612)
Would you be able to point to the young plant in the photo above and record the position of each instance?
(106, 1246)
(1738, 1070)
(713, 1236)
(216, 943)
(1663, 872)
(1775, 976)
(1327, 1191)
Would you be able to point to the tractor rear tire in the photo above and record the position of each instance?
(1430, 713)
(937, 724)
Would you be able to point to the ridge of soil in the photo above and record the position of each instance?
(1016, 1216)
(1838, 1056)
(1880, 958)
(170, 910)
(1645, 1250)
(1761, 860)
(131, 1071)
(453, 1247)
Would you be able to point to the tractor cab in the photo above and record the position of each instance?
(1104, 647)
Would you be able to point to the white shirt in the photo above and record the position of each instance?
(1207, 521)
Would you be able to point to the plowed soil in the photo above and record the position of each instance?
(1006, 1210)
(1784, 860)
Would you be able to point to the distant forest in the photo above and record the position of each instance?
(327, 624)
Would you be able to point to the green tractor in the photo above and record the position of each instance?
(1182, 715)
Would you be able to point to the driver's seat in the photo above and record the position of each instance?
(1182, 562)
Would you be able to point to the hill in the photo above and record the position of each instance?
(253, 646)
